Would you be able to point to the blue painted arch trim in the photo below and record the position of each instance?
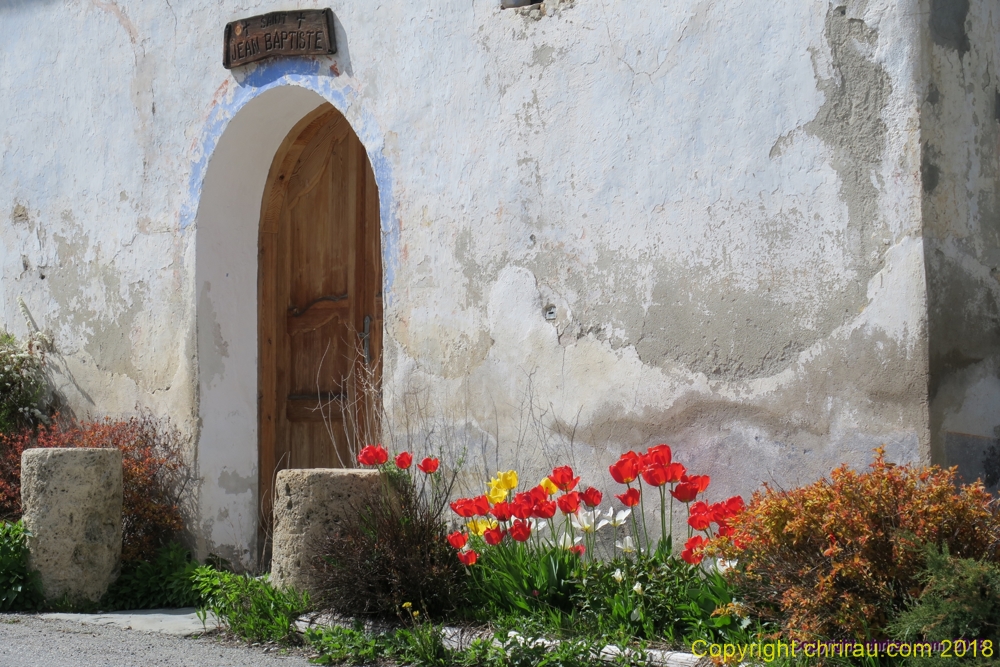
(306, 73)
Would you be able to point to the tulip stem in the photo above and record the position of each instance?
(642, 507)
(663, 517)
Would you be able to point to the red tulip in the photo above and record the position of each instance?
(481, 505)
(537, 494)
(373, 455)
(569, 503)
(658, 455)
(493, 536)
(675, 473)
(630, 498)
(429, 465)
(468, 557)
(544, 510)
(520, 531)
(693, 549)
(579, 550)
(700, 482)
(502, 511)
(404, 460)
(702, 507)
(458, 539)
(563, 478)
(655, 475)
(463, 508)
(685, 492)
(725, 531)
(521, 507)
(700, 521)
(592, 497)
(626, 469)
(735, 505)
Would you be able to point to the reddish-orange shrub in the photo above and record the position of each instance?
(153, 474)
(838, 558)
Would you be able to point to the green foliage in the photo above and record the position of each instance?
(165, 582)
(423, 644)
(960, 600)
(392, 550)
(19, 588)
(23, 388)
(511, 578)
(338, 645)
(660, 598)
(249, 606)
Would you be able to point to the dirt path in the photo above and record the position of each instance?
(30, 641)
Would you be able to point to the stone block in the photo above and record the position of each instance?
(309, 505)
(72, 500)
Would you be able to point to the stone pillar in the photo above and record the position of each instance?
(309, 504)
(72, 501)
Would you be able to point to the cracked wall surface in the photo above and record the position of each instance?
(603, 226)
(960, 170)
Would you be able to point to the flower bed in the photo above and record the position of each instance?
(561, 552)
(572, 573)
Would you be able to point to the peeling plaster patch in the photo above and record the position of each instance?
(210, 361)
(948, 24)
(233, 483)
(88, 289)
(19, 214)
(850, 122)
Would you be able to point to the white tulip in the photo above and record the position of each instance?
(626, 544)
(584, 522)
(620, 518)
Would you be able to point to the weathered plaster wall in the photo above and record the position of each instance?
(719, 207)
(960, 125)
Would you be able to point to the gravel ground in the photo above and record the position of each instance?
(30, 641)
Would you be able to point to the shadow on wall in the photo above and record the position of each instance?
(976, 457)
(14, 5)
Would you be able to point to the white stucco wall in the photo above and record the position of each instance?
(722, 202)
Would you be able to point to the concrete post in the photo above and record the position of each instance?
(308, 507)
(72, 500)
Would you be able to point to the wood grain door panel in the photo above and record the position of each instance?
(320, 300)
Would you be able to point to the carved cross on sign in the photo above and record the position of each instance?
(307, 32)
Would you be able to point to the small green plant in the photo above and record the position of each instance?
(960, 601)
(512, 578)
(165, 582)
(20, 589)
(249, 606)
(23, 387)
(657, 597)
(421, 642)
(337, 645)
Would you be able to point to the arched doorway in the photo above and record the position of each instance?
(319, 301)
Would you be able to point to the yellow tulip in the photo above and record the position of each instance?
(495, 493)
(480, 526)
(549, 487)
(508, 480)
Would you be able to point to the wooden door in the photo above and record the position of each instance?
(320, 302)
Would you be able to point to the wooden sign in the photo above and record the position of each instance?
(308, 32)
